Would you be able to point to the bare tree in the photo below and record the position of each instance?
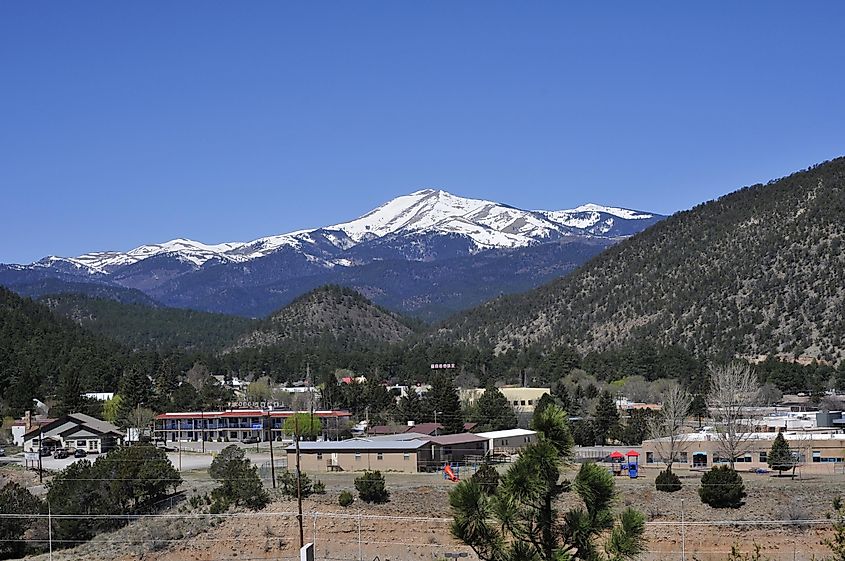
(734, 391)
(666, 428)
(141, 419)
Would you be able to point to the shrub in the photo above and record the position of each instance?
(722, 487)
(371, 488)
(319, 488)
(239, 481)
(487, 477)
(288, 484)
(667, 481)
(345, 498)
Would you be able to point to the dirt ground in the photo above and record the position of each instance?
(414, 524)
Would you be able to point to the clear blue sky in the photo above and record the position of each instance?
(125, 123)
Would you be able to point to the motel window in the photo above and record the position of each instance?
(357, 455)
(380, 455)
(516, 402)
(406, 455)
(649, 457)
(530, 402)
(817, 456)
(684, 459)
(522, 402)
(764, 457)
(319, 455)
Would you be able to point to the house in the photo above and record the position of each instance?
(509, 441)
(360, 454)
(75, 431)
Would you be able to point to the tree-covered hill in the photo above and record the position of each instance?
(330, 317)
(143, 327)
(758, 271)
(43, 355)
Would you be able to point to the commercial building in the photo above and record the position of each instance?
(521, 399)
(703, 450)
(237, 424)
(74, 431)
(360, 454)
(507, 442)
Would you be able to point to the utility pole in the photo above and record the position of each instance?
(683, 534)
(298, 480)
(202, 428)
(50, 529)
(40, 447)
(272, 460)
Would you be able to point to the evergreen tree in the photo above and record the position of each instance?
(409, 407)
(238, 480)
(545, 400)
(443, 399)
(15, 499)
(135, 390)
(606, 422)
(519, 520)
(780, 456)
(560, 393)
(493, 411)
(698, 407)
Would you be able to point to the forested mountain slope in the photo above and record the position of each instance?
(143, 327)
(761, 270)
(332, 317)
(43, 355)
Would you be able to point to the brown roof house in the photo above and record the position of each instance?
(74, 431)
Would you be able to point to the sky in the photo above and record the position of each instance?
(130, 123)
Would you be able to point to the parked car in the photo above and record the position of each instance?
(2, 452)
(80, 453)
(250, 440)
(61, 453)
(45, 452)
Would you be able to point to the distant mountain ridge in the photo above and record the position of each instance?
(428, 226)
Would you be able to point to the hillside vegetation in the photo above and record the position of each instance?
(140, 326)
(759, 271)
(42, 355)
(330, 317)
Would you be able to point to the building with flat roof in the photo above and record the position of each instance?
(237, 424)
(703, 450)
(361, 454)
(508, 442)
(521, 399)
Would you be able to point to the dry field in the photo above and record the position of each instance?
(414, 524)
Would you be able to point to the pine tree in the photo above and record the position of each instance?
(606, 423)
(409, 407)
(443, 399)
(493, 412)
(780, 456)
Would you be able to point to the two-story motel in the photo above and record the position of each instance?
(237, 424)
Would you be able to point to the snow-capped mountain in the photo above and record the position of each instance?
(485, 224)
(430, 225)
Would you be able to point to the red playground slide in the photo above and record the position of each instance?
(447, 469)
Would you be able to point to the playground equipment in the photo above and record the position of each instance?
(633, 463)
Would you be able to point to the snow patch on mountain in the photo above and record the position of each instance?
(486, 224)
